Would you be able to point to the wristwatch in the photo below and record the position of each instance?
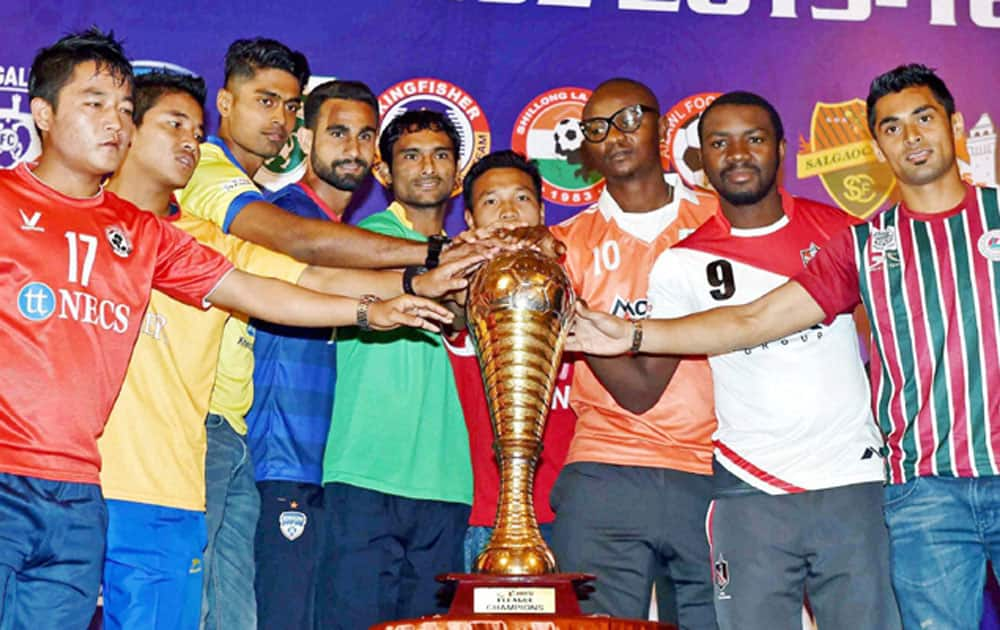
(435, 243)
(363, 304)
(409, 274)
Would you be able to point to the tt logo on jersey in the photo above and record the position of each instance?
(30, 224)
(637, 309)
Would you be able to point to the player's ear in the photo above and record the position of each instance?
(781, 151)
(224, 101)
(305, 137)
(382, 171)
(661, 127)
(42, 112)
(469, 221)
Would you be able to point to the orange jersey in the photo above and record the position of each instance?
(609, 256)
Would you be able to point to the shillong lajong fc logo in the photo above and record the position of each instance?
(455, 103)
(547, 131)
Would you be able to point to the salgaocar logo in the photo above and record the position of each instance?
(842, 153)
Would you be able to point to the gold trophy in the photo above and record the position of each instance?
(518, 313)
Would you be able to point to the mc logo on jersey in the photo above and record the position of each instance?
(842, 153)
(19, 141)
(547, 131)
(445, 98)
(36, 301)
(637, 309)
(681, 149)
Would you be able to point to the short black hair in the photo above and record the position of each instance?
(347, 90)
(412, 122)
(152, 86)
(500, 159)
(246, 56)
(902, 77)
(740, 97)
(54, 65)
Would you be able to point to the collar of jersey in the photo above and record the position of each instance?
(611, 210)
(787, 207)
(219, 142)
(399, 212)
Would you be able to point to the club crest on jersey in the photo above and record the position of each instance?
(808, 253)
(292, 524)
(120, 244)
(883, 248)
(636, 309)
(989, 245)
(720, 571)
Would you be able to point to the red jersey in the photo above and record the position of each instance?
(75, 278)
(485, 472)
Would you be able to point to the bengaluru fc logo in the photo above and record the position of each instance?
(548, 132)
(842, 153)
(452, 101)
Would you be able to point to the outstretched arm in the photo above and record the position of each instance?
(783, 311)
(283, 303)
(326, 243)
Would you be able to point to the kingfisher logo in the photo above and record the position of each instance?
(457, 106)
(637, 309)
(36, 301)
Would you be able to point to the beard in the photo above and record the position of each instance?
(745, 197)
(349, 183)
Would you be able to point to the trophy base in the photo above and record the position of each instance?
(519, 603)
(547, 594)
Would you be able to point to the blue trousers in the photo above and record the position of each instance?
(153, 567)
(941, 533)
(232, 511)
(382, 555)
(51, 550)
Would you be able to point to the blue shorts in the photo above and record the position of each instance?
(51, 547)
(153, 567)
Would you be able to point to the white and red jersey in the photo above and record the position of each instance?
(794, 413)
(75, 279)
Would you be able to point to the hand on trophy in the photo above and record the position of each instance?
(449, 277)
(597, 333)
(407, 310)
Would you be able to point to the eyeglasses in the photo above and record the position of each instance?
(625, 120)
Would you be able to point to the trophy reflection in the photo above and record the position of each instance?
(518, 313)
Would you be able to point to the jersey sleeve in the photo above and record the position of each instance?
(669, 288)
(263, 261)
(831, 278)
(186, 270)
(218, 191)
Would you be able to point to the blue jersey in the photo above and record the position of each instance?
(293, 378)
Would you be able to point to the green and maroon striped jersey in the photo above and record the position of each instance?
(931, 288)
